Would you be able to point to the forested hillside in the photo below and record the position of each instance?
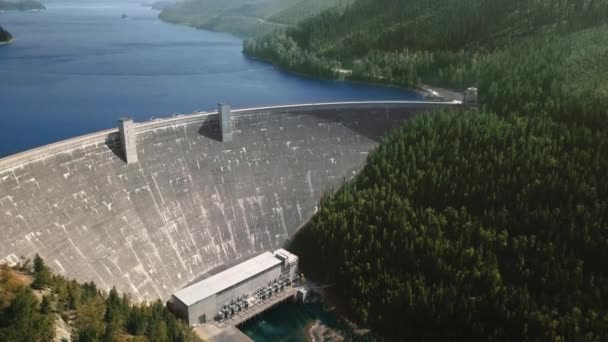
(474, 226)
(245, 18)
(33, 302)
(441, 42)
(21, 5)
(304, 9)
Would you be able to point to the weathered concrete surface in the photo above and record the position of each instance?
(191, 203)
(211, 333)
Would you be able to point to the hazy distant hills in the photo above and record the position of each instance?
(246, 18)
(21, 5)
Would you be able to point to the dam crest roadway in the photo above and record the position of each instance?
(191, 203)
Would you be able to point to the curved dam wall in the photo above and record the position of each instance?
(191, 203)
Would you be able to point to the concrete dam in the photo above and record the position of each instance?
(191, 202)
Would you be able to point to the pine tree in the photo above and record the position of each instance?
(46, 305)
(42, 274)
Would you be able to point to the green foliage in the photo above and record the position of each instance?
(483, 225)
(229, 16)
(245, 19)
(5, 36)
(42, 274)
(446, 43)
(46, 305)
(23, 321)
(21, 5)
(305, 9)
(472, 226)
(282, 50)
(156, 323)
(93, 314)
(89, 324)
(39, 265)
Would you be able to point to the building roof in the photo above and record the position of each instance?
(283, 253)
(225, 279)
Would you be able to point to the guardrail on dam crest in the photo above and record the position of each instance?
(191, 202)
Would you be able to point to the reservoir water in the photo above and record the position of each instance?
(286, 322)
(77, 67)
(298, 322)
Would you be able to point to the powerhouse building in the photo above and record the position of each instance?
(202, 302)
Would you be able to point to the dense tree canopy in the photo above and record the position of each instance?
(244, 18)
(481, 225)
(472, 226)
(23, 321)
(91, 314)
(439, 42)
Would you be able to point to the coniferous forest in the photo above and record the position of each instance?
(439, 42)
(472, 226)
(475, 225)
(33, 302)
(244, 18)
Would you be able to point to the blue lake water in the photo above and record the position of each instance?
(78, 66)
(291, 322)
(288, 322)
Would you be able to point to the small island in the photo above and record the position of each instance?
(5, 36)
(21, 5)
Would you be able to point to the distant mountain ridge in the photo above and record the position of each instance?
(247, 18)
(21, 5)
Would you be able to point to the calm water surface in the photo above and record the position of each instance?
(78, 66)
(288, 322)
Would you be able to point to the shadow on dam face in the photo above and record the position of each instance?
(191, 203)
(369, 123)
(112, 142)
(210, 130)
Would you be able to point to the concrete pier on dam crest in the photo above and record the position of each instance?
(191, 200)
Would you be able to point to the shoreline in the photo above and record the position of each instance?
(8, 42)
(332, 303)
(426, 92)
